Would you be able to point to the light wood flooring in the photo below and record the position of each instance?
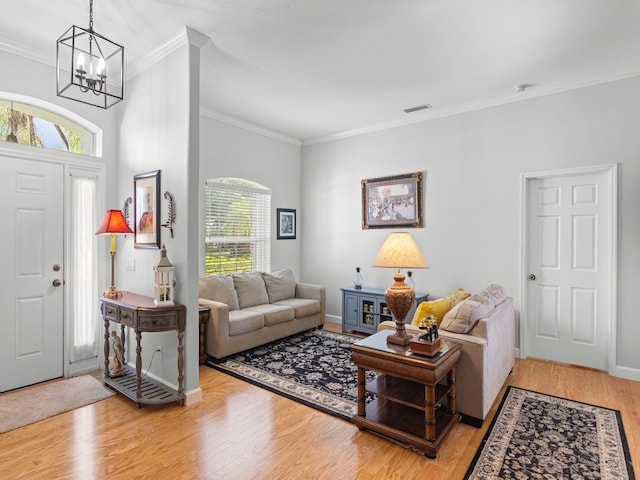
(240, 431)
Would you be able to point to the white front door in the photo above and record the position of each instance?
(31, 254)
(568, 314)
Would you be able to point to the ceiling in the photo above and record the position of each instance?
(314, 69)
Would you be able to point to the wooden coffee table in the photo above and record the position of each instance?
(410, 406)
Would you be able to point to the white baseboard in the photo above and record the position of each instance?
(192, 397)
(625, 372)
(333, 319)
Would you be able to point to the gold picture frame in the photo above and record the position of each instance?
(146, 208)
(392, 202)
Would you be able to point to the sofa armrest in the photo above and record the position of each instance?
(218, 326)
(312, 292)
(498, 329)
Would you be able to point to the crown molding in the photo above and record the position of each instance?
(251, 127)
(196, 38)
(186, 36)
(435, 113)
(29, 53)
(189, 36)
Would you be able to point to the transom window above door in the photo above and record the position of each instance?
(27, 124)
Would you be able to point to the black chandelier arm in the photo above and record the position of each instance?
(104, 56)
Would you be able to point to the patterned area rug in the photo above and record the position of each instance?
(539, 436)
(313, 368)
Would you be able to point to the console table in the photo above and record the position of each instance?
(410, 406)
(364, 308)
(139, 313)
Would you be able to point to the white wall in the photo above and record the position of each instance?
(157, 131)
(229, 151)
(473, 163)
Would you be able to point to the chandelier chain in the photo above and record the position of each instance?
(91, 15)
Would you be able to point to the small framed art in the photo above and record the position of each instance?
(286, 223)
(392, 202)
(146, 204)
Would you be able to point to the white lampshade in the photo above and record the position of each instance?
(399, 250)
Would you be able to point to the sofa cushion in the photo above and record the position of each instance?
(439, 307)
(273, 314)
(243, 321)
(250, 289)
(464, 316)
(303, 306)
(219, 288)
(280, 285)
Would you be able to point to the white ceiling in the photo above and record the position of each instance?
(313, 69)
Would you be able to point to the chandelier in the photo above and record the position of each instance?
(89, 67)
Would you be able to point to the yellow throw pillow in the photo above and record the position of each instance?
(458, 295)
(439, 307)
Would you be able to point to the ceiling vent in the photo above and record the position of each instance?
(416, 109)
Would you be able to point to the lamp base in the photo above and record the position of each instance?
(399, 298)
(400, 337)
(112, 293)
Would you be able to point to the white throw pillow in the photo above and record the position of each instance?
(250, 289)
(219, 288)
(463, 317)
(280, 285)
(494, 293)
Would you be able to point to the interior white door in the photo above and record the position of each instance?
(31, 344)
(569, 261)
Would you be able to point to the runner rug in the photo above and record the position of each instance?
(30, 405)
(539, 436)
(313, 368)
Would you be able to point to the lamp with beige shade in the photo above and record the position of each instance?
(399, 250)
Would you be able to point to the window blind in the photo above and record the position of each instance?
(238, 227)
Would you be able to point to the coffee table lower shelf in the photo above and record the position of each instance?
(405, 425)
(152, 392)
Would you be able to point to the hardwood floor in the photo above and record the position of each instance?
(240, 431)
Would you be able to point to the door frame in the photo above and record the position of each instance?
(69, 161)
(525, 179)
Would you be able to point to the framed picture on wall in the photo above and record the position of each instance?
(286, 223)
(392, 202)
(146, 205)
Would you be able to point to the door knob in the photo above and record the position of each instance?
(56, 283)
(532, 276)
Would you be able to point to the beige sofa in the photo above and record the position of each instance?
(254, 308)
(488, 356)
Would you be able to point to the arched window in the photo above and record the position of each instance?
(29, 124)
(238, 226)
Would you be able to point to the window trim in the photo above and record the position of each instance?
(62, 112)
(259, 260)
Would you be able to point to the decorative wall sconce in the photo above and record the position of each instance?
(171, 213)
(125, 210)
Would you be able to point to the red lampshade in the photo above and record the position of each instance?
(113, 223)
